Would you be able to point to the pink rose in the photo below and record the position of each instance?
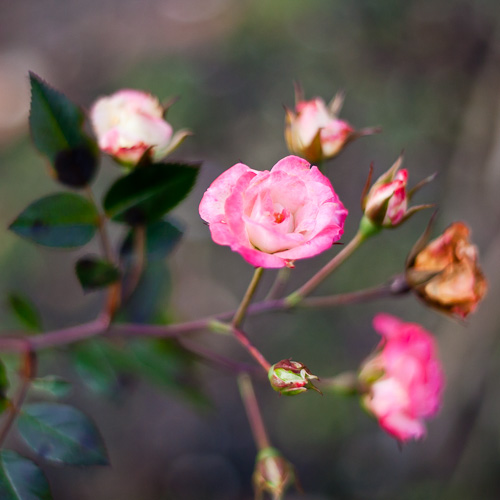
(314, 130)
(274, 217)
(404, 377)
(130, 122)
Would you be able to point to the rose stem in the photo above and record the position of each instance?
(245, 342)
(139, 260)
(242, 309)
(295, 297)
(28, 372)
(279, 284)
(253, 412)
(70, 335)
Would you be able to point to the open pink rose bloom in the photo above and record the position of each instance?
(274, 217)
(405, 378)
(130, 122)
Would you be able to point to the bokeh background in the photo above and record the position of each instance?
(428, 72)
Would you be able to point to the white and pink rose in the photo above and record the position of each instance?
(130, 122)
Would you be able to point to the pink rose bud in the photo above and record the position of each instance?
(129, 123)
(273, 474)
(386, 204)
(403, 379)
(314, 131)
(291, 377)
(274, 217)
(445, 273)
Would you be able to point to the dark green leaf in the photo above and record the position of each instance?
(25, 312)
(167, 364)
(149, 192)
(76, 167)
(21, 479)
(161, 238)
(55, 122)
(51, 384)
(96, 363)
(62, 434)
(63, 220)
(96, 273)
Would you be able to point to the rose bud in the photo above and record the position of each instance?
(274, 217)
(386, 204)
(403, 380)
(291, 377)
(314, 131)
(273, 474)
(445, 273)
(130, 123)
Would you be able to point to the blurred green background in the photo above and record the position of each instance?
(428, 72)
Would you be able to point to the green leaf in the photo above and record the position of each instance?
(21, 479)
(149, 192)
(55, 122)
(51, 384)
(167, 364)
(61, 433)
(95, 363)
(161, 238)
(96, 273)
(25, 312)
(63, 220)
(76, 167)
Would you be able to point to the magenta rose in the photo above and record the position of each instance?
(404, 378)
(274, 217)
(130, 122)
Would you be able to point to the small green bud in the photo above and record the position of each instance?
(273, 474)
(291, 377)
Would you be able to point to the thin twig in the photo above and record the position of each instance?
(253, 411)
(252, 287)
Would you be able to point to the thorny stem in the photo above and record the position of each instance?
(295, 297)
(242, 309)
(253, 412)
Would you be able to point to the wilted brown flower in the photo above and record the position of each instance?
(446, 274)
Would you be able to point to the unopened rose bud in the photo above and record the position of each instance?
(386, 202)
(130, 123)
(314, 131)
(291, 377)
(273, 474)
(445, 273)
